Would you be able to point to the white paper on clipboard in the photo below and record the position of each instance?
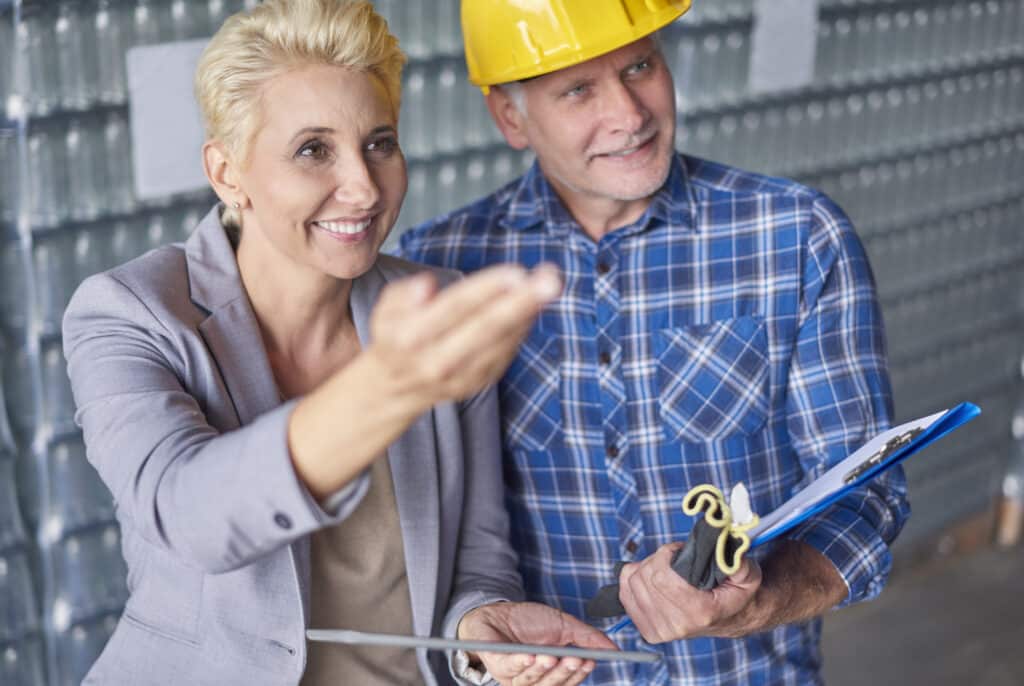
(861, 466)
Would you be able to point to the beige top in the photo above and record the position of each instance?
(359, 582)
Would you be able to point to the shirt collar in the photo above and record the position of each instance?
(675, 204)
(535, 203)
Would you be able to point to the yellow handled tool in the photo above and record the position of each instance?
(713, 552)
(731, 541)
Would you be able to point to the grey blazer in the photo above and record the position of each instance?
(182, 419)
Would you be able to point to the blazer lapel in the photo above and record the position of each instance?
(414, 470)
(233, 337)
(231, 331)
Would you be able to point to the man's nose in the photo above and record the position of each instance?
(624, 109)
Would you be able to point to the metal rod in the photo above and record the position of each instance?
(349, 637)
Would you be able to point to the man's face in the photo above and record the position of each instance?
(603, 129)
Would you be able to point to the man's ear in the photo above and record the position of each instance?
(222, 172)
(507, 116)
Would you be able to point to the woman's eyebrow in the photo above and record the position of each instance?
(311, 129)
(383, 128)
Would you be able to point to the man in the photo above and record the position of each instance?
(716, 327)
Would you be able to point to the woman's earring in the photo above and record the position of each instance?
(236, 205)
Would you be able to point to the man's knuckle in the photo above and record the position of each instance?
(632, 584)
(659, 577)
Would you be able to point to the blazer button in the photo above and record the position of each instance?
(283, 520)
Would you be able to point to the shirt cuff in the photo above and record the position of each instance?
(854, 535)
(464, 670)
(351, 492)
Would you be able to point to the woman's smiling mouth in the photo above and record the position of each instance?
(348, 228)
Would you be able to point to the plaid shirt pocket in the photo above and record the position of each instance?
(713, 379)
(530, 394)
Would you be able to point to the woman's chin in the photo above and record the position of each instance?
(351, 268)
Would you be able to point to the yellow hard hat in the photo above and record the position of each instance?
(511, 40)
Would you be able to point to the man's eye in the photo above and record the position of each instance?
(643, 65)
(577, 90)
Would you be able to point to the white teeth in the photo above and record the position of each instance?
(344, 227)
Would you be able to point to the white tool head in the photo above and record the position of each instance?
(739, 503)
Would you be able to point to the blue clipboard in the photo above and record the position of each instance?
(874, 457)
(880, 453)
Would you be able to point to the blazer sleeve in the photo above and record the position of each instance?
(215, 500)
(486, 566)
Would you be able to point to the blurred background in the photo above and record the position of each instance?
(910, 113)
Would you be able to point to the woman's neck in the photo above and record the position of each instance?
(302, 313)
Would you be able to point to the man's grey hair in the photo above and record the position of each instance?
(516, 93)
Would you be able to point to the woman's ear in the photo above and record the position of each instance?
(505, 113)
(222, 173)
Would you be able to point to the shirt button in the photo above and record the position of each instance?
(283, 520)
(604, 358)
(631, 547)
(603, 268)
(612, 451)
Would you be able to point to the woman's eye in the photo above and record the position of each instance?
(383, 146)
(313, 150)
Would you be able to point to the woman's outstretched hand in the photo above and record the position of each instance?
(437, 345)
(428, 346)
(537, 624)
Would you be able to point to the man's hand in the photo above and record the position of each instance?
(532, 623)
(799, 583)
(664, 607)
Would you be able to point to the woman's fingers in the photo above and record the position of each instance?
(475, 317)
(552, 672)
(506, 667)
(404, 296)
(481, 348)
(532, 623)
(545, 670)
(460, 339)
(413, 321)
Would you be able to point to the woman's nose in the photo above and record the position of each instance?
(356, 185)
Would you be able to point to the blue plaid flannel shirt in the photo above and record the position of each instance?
(731, 334)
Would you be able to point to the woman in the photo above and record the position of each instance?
(282, 458)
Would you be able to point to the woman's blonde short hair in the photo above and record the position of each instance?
(277, 36)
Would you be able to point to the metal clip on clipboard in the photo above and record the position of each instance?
(888, 449)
